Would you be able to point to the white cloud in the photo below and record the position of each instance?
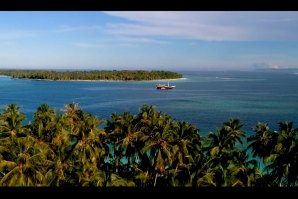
(119, 41)
(142, 40)
(128, 45)
(187, 31)
(218, 26)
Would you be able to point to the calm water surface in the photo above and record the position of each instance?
(206, 99)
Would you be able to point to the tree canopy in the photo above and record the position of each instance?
(123, 75)
(149, 149)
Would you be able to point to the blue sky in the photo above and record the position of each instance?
(149, 40)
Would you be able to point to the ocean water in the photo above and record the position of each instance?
(204, 98)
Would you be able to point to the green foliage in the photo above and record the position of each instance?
(149, 149)
(124, 75)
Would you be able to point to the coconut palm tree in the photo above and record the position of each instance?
(244, 171)
(220, 151)
(44, 123)
(234, 132)
(121, 132)
(283, 159)
(89, 151)
(23, 163)
(90, 175)
(11, 121)
(71, 118)
(157, 147)
(263, 142)
(186, 150)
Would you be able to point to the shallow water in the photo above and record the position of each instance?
(205, 98)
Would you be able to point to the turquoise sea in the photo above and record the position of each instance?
(204, 98)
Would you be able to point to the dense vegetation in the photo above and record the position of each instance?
(149, 149)
(92, 75)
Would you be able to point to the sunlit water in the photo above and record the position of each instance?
(206, 99)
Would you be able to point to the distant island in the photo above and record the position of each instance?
(121, 75)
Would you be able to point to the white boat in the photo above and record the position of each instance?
(164, 86)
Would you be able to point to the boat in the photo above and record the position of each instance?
(164, 86)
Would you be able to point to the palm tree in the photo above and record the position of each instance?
(157, 146)
(23, 163)
(89, 151)
(147, 149)
(284, 156)
(263, 142)
(244, 171)
(220, 151)
(226, 138)
(44, 123)
(79, 149)
(121, 131)
(91, 176)
(234, 132)
(70, 118)
(186, 150)
(11, 121)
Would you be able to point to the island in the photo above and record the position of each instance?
(121, 75)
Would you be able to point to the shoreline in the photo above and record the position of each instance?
(182, 78)
(93, 76)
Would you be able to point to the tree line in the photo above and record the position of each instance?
(123, 75)
(149, 149)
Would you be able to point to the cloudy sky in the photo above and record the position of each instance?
(149, 40)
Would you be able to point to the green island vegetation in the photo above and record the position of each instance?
(149, 149)
(123, 75)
